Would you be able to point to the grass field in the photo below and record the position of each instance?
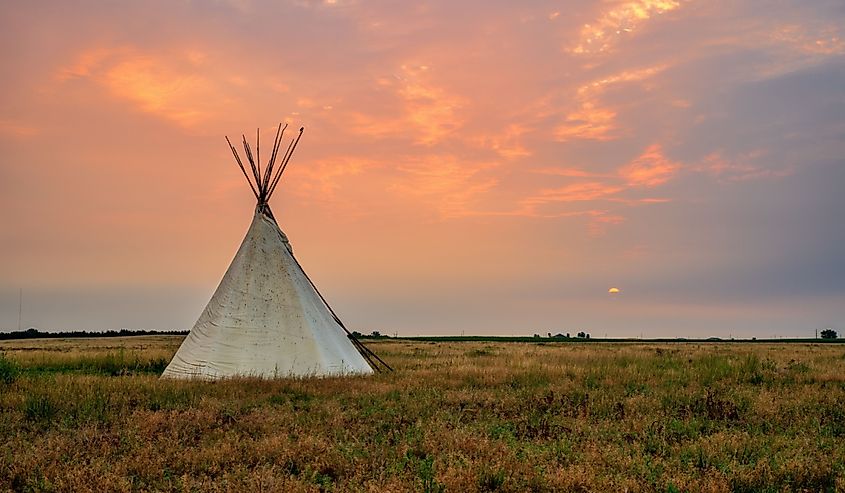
(91, 414)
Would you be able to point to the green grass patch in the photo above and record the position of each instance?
(117, 363)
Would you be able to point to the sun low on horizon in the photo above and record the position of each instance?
(465, 167)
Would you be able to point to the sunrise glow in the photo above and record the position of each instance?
(465, 166)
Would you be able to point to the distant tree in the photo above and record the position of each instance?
(376, 333)
(356, 334)
(536, 336)
(550, 335)
(829, 334)
(587, 336)
(567, 335)
(581, 335)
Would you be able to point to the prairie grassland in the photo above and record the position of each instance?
(81, 415)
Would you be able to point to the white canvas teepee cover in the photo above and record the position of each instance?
(265, 320)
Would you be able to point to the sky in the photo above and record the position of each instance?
(477, 167)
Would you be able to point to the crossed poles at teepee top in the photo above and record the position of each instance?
(264, 184)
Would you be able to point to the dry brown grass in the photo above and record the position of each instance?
(453, 417)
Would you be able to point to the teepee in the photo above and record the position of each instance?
(267, 319)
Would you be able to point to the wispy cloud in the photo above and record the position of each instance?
(576, 192)
(650, 169)
(570, 172)
(589, 122)
(592, 119)
(182, 87)
(445, 183)
(320, 180)
(507, 143)
(427, 113)
(742, 167)
(430, 109)
(619, 19)
(825, 40)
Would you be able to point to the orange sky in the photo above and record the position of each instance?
(486, 167)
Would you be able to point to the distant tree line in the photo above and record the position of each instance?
(32, 333)
(372, 335)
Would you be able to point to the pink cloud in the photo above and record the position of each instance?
(620, 18)
(427, 114)
(507, 143)
(739, 168)
(588, 122)
(592, 119)
(194, 88)
(448, 185)
(319, 180)
(650, 169)
(576, 192)
(570, 172)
